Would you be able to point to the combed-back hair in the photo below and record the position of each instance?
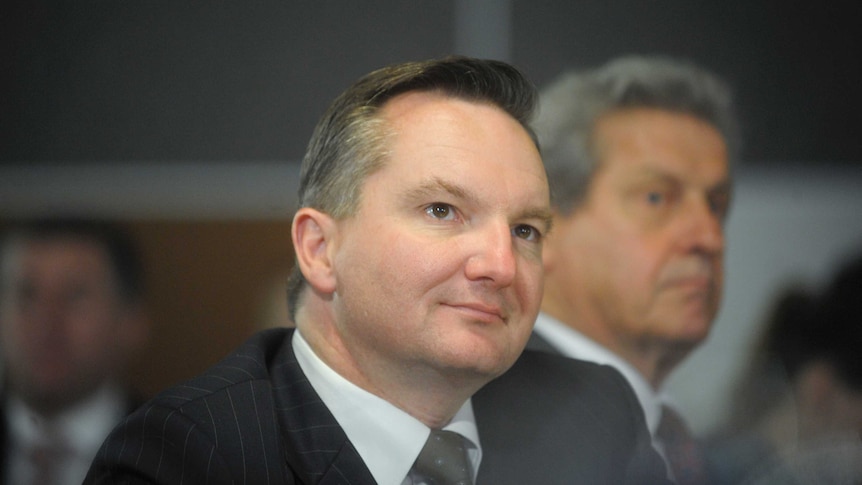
(351, 140)
(572, 104)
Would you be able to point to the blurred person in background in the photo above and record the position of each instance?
(796, 417)
(71, 317)
(638, 155)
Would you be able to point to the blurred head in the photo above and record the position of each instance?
(420, 241)
(807, 358)
(70, 309)
(638, 156)
(820, 356)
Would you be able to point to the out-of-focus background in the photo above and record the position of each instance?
(188, 121)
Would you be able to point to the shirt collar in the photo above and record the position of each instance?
(82, 427)
(387, 438)
(571, 343)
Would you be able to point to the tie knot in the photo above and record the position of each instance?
(443, 460)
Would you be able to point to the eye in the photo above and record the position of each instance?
(439, 210)
(655, 198)
(528, 233)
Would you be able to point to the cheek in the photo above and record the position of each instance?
(531, 282)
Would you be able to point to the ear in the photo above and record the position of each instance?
(312, 234)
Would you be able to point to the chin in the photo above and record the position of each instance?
(486, 363)
(691, 337)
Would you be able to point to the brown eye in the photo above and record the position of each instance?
(526, 232)
(439, 210)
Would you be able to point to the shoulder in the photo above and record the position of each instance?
(552, 419)
(561, 391)
(544, 372)
(248, 365)
(219, 424)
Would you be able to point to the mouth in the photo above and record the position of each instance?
(479, 312)
(703, 283)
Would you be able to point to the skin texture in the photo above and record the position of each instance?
(430, 290)
(638, 266)
(64, 327)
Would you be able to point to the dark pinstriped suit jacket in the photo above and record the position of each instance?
(255, 419)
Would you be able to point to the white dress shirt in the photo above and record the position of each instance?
(387, 439)
(82, 428)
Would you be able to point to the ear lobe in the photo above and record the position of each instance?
(312, 233)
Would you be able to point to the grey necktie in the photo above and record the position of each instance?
(443, 460)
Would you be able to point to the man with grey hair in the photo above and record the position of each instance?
(638, 157)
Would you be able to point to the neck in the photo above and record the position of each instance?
(654, 359)
(429, 395)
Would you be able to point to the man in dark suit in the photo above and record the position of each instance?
(423, 207)
(638, 153)
(71, 316)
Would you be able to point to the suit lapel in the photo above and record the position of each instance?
(317, 448)
(536, 342)
(347, 468)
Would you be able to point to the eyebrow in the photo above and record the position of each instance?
(652, 173)
(436, 184)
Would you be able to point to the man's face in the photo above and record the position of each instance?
(641, 259)
(440, 269)
(62, 324)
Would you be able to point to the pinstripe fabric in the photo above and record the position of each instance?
(554, 420)
(255, 419)
(251, 419)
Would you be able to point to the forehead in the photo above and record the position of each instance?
(437, 141)
(63, 257)
(657, 141)
(432, 123)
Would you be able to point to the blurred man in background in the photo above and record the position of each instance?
(71, 317)
(638, 156)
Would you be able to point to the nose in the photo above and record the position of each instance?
(493, 258)
(705, 229)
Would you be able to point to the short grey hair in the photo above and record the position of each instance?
(571, 105)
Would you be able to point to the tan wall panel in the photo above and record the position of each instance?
(208, 283)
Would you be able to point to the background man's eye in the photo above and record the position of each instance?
(654, 197)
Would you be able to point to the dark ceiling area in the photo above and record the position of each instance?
(163, 81)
